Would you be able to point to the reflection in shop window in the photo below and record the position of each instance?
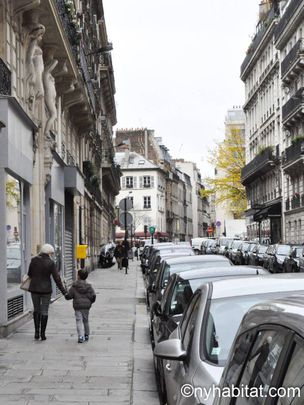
(13, 230)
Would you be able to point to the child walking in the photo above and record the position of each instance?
(83, 295)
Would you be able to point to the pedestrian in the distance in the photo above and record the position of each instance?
(83, 296)
(119, 254)
(40, 270)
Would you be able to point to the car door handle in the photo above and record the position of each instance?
(168, 367)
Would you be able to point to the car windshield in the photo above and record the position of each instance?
(236, 244)
(216, 336)
(224, 242)
(283, 250)
(262, 249)
(245, 247)
(251, 247)
(299, 251)
(13, 253)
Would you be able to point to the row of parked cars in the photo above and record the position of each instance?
(277, 258)
(213, 323)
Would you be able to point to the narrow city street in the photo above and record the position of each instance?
(114, 367)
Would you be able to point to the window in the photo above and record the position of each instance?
(147, 202)
(129, 182)
(294, 375)
(261, 363)
(147, 181)
(187, 328)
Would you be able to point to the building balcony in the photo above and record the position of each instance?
(286, 17)
(294, 62)
(88, 80)
(5, 79)
(111, 177)
(69, 26)
(293, 157)
(260, 165)
(257, 40)
(296, 201)
(294, 108)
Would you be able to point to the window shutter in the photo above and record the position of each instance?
(134, 182)
(123, 182)
(140, 181)
(152, 181)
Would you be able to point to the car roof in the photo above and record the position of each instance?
(198, 258)
(287, 311)
(176, 254)
(222, 271)
(258, 285)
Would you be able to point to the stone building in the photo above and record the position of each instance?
(58, 179)
(288, 38)
(145, 184)
(260, 71)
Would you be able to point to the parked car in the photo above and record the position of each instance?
(228, 247)
(242, 254)
(196, 244)
(13, 263)
(268, 355)
(292, 262)
(275, 256)
(208, 247)
(180, 288)
(235, 247)
(256, 256)
(221, 245)
(198, 348)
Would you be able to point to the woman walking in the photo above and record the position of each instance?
(40, 271)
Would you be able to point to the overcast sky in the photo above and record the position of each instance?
(176, 65)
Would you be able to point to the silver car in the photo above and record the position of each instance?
(268, 354)
(197, 350)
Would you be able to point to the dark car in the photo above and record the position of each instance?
(292, 262)
(281, 346)
(222, 245)
(256, 255)
(235, 248)
(275, 256)
(242, 254)
(228, 248)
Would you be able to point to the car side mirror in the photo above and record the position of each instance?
(170, 349)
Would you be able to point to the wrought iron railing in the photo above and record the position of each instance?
(292, 56)
(286, 17)
(293, 104)
(87, 78)
(69, 26)
(261, 160)
(287, 204)
(5, 79)
(294, 151)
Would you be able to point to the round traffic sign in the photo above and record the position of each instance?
(125, 217)
(126, 204)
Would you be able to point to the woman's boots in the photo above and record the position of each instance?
(44, 319)
(36, 317)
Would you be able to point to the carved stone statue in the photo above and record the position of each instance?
(34, 63)
(49, 89)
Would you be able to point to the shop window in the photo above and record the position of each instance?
(13, 231)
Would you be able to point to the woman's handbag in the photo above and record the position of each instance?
(26, 281)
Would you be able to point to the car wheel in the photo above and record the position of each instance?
(161, 385)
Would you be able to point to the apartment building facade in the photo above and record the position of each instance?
(288, 38)
(260, 72)
(57, 110)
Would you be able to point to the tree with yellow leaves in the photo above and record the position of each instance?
(228, 158)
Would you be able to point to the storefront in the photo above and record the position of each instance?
(16, 178)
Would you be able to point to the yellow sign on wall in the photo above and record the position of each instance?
(81, 251)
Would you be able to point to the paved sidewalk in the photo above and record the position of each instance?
(115, 367)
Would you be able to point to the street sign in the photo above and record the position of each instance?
(126, 204)
(152, 230)
(128, 217)
(218, 223)
(210, 229)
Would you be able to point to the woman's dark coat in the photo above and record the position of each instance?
(82, 293)
(40, 270)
